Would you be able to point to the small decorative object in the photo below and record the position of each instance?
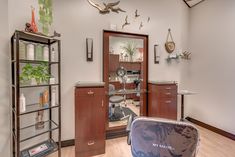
(45, 14)
(33, 22)
(121, 58)
(30, 52)
(126, 23)
(39, 120)
(45, 53)
(89, 49)
(192, 3)
(148, 19)
(170, 44)
(186, 55)
(156, 54)
(28, 28)
(22, 49)
(39, 52)
(173, 57)
(22, 103)
(130, 49)
(107, 7)
(141, 51)
(53, 96)
(141, 25)
(45, 99)
(136, 14)
(52, 80)
(53, 54)
(35, 74)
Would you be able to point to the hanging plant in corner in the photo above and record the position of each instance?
(45, 15)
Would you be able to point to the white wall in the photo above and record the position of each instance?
(77, 20)
(211, 71)
(4, 81)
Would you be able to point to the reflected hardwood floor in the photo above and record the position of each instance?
(211, 145)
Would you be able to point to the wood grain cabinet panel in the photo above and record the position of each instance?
(89, 121)
(162, 101)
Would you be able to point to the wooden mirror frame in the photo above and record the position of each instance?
(113, 132)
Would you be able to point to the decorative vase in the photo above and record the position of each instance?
(131, 58)
(33, 82)
(33, 23)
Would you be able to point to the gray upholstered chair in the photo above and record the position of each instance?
(114, 100)
(151, 137)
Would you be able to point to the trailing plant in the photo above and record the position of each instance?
(40, 73)
(130, 49)
(45, 14)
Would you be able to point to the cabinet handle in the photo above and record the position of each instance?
(168, 102)
(102, 103)
(90, 93)
(168, 93)
(168, 88)
(90, 143)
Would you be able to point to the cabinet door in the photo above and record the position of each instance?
(90, 121)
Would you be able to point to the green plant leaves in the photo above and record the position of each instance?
(40, 73)
(45, 14)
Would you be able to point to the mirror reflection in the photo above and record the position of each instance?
(125, 77)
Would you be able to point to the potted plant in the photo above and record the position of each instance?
(38, 74)
(130, 49)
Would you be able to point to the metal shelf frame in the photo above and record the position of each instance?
(16, 127)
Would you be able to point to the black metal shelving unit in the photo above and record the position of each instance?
(21, 134)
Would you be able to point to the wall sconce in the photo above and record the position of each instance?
(89, 49)
(156, 54)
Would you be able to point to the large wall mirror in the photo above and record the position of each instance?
(125, 74)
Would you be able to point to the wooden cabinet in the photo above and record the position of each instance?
(89, 121)
(162, 100)
(113, 63)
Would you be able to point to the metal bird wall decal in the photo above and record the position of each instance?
(126, 23)
(141, 25)
(136, 14)
(107, 7)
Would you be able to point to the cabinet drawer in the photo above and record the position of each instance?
(89, 91)
(84, 144)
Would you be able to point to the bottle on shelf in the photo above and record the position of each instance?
(53, 55)
(39, 52)
(22, 103)
(45, 53)
(22, 50)
(53, 96)
(30, 51)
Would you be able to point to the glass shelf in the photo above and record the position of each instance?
(30, 132)
(53, 147)
(42, 85)
(36, 107)
(36, 61)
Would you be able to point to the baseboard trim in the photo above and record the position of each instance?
(212, 128)
(68, 143)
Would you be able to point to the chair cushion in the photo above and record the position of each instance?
(116, 99)
(163, 138)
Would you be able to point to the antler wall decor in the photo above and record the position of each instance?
(126, 22)
(107, 7)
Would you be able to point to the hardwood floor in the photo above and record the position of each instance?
(211, 145)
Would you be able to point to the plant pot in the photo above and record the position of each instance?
(33, 82)
(131, 58)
